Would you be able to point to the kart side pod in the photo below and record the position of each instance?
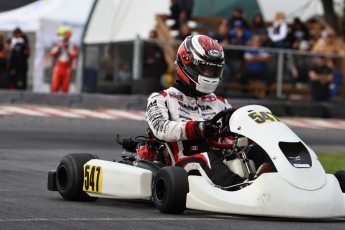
(115, 180)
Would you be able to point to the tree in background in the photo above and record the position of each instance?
(332, 18)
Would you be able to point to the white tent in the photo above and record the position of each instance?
(42, 18)
(27, 17)
(304, 9)
(118, 20)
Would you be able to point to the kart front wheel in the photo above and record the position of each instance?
(70, 177)
(170, 190)
(340, 175)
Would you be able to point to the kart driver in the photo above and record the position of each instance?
(179, 115)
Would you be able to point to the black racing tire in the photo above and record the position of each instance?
(170, 188)
(70, 176)
(340, 175)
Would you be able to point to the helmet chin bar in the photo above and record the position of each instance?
(206, 84)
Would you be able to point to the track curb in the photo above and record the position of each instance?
(138, 102)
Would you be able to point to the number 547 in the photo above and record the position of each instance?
(92, 178)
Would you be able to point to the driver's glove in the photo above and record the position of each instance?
(205, 129)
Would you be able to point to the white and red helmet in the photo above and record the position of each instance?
(200, 63)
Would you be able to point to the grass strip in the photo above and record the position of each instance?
(332, 161)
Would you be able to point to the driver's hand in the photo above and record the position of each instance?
(205, 129)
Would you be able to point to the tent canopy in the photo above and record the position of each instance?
(304, 9)
(118, 20)
(43, 18)
(28, 17)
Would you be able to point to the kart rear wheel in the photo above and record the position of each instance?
(170, 190)
(340, 175)
(70, 176)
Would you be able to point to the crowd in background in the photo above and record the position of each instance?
(153, 63)
(14, 54)
(249, 58)
(252, 63)
(247, 43)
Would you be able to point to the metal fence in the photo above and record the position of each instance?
(124, 68)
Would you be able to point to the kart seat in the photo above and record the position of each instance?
(237, 166)
(264, 168)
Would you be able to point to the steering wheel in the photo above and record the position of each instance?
(210, 140)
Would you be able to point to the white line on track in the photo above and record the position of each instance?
(110, 219)
(151, 219)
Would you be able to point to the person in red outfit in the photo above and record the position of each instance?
(64, 53)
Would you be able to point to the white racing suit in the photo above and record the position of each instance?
(171, 114)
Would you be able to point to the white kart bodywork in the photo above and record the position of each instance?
(270, 195)
(292, 192)
(122, 181)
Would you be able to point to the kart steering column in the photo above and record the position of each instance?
(245, 152)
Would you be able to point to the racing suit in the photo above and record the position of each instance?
(171, 115)
(63, 67)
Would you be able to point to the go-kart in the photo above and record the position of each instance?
(298, 188)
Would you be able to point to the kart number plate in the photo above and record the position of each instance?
(263, 117)
(93, 178)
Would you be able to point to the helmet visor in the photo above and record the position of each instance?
(209, 70)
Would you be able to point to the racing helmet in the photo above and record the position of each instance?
(200, 63)
(64, 32)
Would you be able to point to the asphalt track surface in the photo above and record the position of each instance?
(30, 146)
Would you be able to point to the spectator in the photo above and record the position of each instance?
(256, 63)
(223, 37)
(124, 74)
(278, 32)
(321, 76)
(335, 86)
(328, 43)
(299, 33)
(4, 74)
(154, 65)
(299, 65)
(107, 65)
(19, 60)
(238, 36)
(64, 53)
(237, 15)
(258, 28)
(184, 31)
(181, 11)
